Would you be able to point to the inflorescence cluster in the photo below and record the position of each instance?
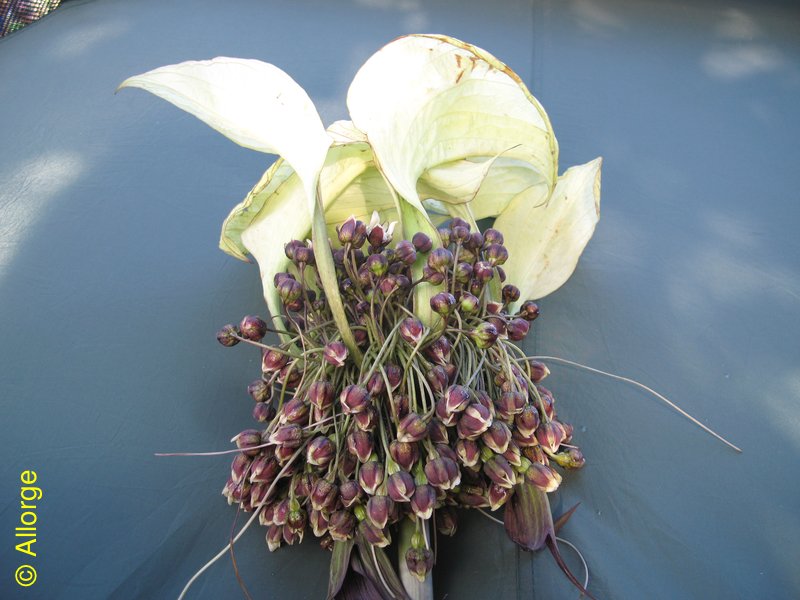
(431, 419)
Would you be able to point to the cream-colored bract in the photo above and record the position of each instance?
(439, 127)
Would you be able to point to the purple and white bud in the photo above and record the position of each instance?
(227, 335)
(376, 385)
(400, 486)
(438, 351)
(421, 242)
(498, 496)
(273, 360)
(246, 440)
(240, 467)
(443, 303)
(288, 436)
(513, 454)
(412, 330)
(319, 522)
(474, 421)
(437, 379)
(499, 471)
(320, 394)
(394, 374)
(510, 293)
(510, 404)
(274, 537)
(537, 370)
(443, 473)
(444, 235)
(378, 509)
(264, 469)
(423, 501)
(449, 419)
(457, 398)
(527, 420)
(350, 493)
(482, 271)
(260, 390)
(320, 451)
(419, 561)
(379, 234)
(354, 399)
(462, 272)
(324, 495)
(370, 476)
(289, 290)
(360, 444)
(399, 405)
(253, 328)
(543, 477)
(437, 432)
(366, 420)
(468, 452)
(341, 525)
(335, 353)
(375, 536)
(294, 411)
(492, 236)
(550, 435)
(263, 412)
(405, 454)
(529, 310)
(281, 512)
(412, 428)
(497, 437)
(517, 329)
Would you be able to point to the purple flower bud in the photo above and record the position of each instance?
(367, 420)
(510, 404)
(246, 440)
(474, 421)
(278, 277)
(437, 432)
(529, 310)
(289, 290)
(527, 420)
(550, 435)
(281, 512)
(460, 233)
(324, 495)
(361, 337)
(498, 496)
(492, 236)
(419, 561)
(264, 470)
(320, 394)
(253, 328)
(443, 473)
(499, 324)
(404, 454)
(457, 398)
(360, 444)
(497, 437)
(273, 360)
(468, 452)
(510, 293)
(354, 399)
(569, 458)
(289, 436)
(236, 492)
(513, 454)
(274, 537)
(285, 451)
(352, 232)
(547, 400)
(437, 379)
(370, 476)
(543, 477)
(240, 467)
(412, 330)
(496, 254)
(350, 493)
(517, 329)
(260, 390)
(297, 520)
(320, 451)
(431, 276)
(440, 260)
(475, 241)
(258, 495)
(568, 431)
(449, 419)
(341, 525)
(423, 501)
(406, 253)
(482, 271)
(443, 303)
(290, 249)
(319, 522)
(499, 471)
(438, 350)
(335, 353)
(484, 335)
(399, 405)
(400, 486)
(537, 370)
(376, 384)
(294, 411)
(304, 484)
(378, 509)
(444, 235)
(446, 520)
(375, 536)
(394, 374)
(412, 428)
(421, 242)
(227, 335)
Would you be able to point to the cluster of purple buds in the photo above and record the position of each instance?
(436, 417)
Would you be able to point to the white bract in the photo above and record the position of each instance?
(439, 128)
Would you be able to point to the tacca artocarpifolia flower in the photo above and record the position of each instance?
(439, 128)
